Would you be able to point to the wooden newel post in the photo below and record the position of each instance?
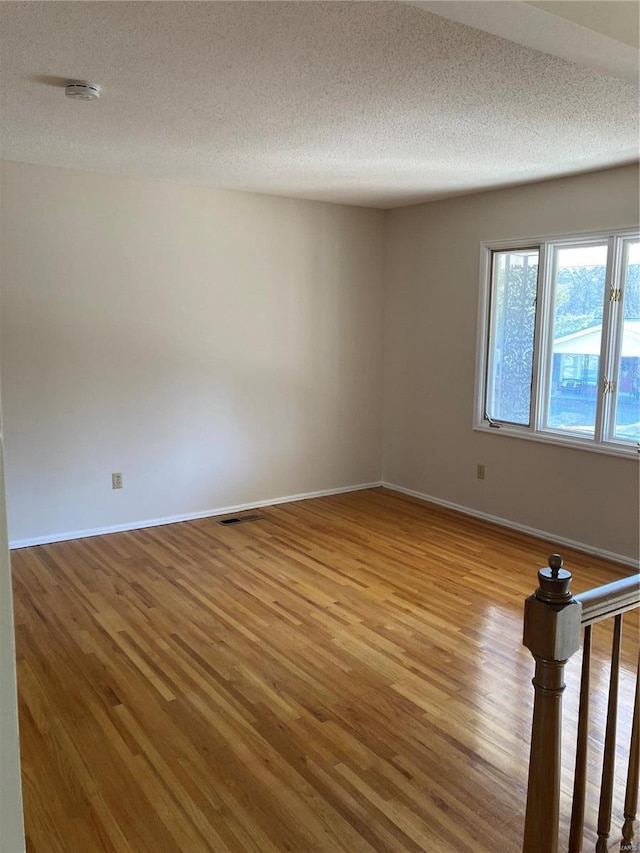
(552, 635)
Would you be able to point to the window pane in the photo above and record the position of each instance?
(627, 420)
(514, 281)
(580, 275)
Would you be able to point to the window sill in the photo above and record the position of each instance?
(573, 442)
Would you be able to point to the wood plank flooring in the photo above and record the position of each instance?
(345, 674)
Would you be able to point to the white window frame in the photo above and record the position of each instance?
(543, 343)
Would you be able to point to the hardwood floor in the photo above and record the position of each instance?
(345, 674)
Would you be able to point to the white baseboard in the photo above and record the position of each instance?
(512, 525)
(190, 516)
(228, 510)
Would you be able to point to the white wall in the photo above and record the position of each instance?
(217, 348)
(431, 315)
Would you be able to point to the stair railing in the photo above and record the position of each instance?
(553, 622)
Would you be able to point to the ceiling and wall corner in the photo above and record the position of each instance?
(616, 19)
(598, 34)
(374, 104)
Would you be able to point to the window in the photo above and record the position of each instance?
(559, 341)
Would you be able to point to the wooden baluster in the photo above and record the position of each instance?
(580, 776)
(633, 775)
(608, 762)
(552, 634)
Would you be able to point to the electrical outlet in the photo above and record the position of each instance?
(116, 481)
(480, 472)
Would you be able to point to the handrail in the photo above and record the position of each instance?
(552, 635)
(609, 600)
(553, 623)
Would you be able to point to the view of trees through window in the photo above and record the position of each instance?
(513, 315)
(578, 293)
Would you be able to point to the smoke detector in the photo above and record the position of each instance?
(81, 90)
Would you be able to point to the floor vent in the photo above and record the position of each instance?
(240, 519)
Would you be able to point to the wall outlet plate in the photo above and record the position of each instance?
(116, 481)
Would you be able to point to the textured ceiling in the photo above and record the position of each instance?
(379, 104)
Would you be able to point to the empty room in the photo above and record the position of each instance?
(320, 386)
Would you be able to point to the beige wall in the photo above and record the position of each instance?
(223, 349)
(217, 348)
(431, 316)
